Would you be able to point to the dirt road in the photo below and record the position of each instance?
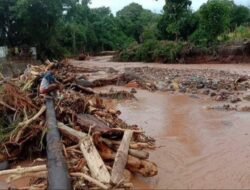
(198, 148)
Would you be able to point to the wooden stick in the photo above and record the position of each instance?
(121, 158)
(133, 152)
(20, 170)
(95, 163)
(35, 117)
(139, 153)
(24, 124)
(90, 179)
(8, 106)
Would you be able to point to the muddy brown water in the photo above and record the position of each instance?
(197, 148)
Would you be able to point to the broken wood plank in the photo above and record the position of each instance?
(95, 163)
(121, 158)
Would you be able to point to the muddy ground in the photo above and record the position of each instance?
(198, 147)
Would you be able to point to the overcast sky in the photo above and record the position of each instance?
(155, 6)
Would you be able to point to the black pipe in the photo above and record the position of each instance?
(4, 165)
(58, 177)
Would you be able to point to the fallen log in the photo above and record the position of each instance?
(58, 177)
(135, 165)
(82, 89)
(121, 158)
(87, 122)
(133, 152)
(94, 161)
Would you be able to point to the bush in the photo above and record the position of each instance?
(240, 33)
(168, 51)
(152, 51)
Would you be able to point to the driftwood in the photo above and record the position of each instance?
(107, 81)
(135, 165)
(82, 89)
(134, 146)
(139, 154)
(121, 158)
(20, 170)
(133, 152)
(26, 123)
(7, 106)
(90, 179)
(95, 163)
(87, 122)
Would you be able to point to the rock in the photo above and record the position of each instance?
(247, 97)
(200, 85)
(219, 98)
(183, 90)
(235, 99)
(194, 96)
(111, 90)
(244, 109)
(214, 86)
(206, 92)
(212, 94)
(84, 83)
(241, 79)
(112, 70)
(160, 85)
(133, 91)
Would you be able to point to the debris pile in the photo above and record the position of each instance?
(101, 150)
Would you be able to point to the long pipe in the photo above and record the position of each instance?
(58, 177)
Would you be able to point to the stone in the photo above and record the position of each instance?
(133, 91)
(206, 92)
(247, 97)
(212, 94)
(234, 99)
(244, 109)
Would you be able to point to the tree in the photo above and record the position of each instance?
(40, 19)
(215, 18)
(239, 15)
(9, 24)
(174, 20)
(133, 20)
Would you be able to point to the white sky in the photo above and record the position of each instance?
(154, 5)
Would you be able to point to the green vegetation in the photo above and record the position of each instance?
(62, 28)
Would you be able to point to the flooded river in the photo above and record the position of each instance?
(197, 148)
